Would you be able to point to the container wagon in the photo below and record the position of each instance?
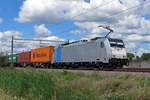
(23, 59)
(42, 57)
(57, 57)
(58, 53)
(14, 60)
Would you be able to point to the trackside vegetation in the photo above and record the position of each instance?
(4, 61)
(32, 84)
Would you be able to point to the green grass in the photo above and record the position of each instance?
(26, 84)
(31, 84)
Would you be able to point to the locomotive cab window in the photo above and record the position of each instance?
(102, 44)
(116, 43)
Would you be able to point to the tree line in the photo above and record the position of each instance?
(143, 57)
(4, 60)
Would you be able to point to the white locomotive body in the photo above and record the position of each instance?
(101, 52)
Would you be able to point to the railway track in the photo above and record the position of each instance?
(133, 70)
(146, 70)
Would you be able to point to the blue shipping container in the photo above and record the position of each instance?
(58, 54)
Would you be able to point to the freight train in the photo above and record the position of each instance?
(98, 52)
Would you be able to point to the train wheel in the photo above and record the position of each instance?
(101, 67)
(24, 65)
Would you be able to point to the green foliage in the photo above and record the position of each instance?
(31, 84)
(124, 77)
(3, 60)
(26, 84)
(145, 57)
(130, 56)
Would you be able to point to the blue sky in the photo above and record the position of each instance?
(63, 20)
(8, 11)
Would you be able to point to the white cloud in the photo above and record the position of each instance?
(130, 26)
(5, 39)
(42, 30)
(135, 37)
(51, 11)
(43, 33)
(6, 35)
(57, 10)
(130, 22)
(21, 45)
(141, 51)
(131, 46)
(76, 32)
(78, 10)
(54, 38)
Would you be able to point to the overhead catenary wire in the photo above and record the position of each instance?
(117, 14)
(130, 8)
(37, 40)
(100, 6)
(85, 11)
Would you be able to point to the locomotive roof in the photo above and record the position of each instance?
(93, 39)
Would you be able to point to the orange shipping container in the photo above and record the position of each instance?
(43, 55)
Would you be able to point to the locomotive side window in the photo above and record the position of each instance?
(102, 44)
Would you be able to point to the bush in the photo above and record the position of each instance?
(3, 60)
